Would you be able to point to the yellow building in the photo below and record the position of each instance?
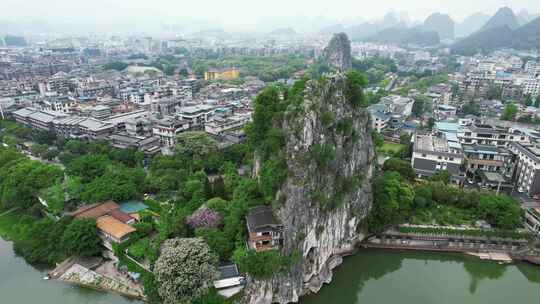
(222, 74)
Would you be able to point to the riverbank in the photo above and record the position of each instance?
(500, 250)
(100, 276)
(21, 282)
(420, 277)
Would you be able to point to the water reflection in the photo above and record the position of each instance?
(23, 283)
(379, 276)
(354, 273)
(482, 270)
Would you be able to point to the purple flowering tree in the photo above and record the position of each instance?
(204, 218)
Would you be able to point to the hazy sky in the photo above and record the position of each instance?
(244, 14)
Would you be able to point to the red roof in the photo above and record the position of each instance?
(121, 216)
(96, 210)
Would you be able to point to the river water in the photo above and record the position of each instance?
(21, 283)
(376, 276)
(371, 277)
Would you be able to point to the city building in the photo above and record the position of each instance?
(398, 105)
(380, 117)
(488, 159)
(168, 128)
(432, 154)
(531, 87)
(197, 115)
(490, 135)
(527, 168)
(532, 220)
(222, 74)
(101, 112)
(149, 145)
(219, 126)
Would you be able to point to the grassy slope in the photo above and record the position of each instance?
(390, 148)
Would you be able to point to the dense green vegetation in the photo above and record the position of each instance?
(510, 112)
(465, 232)
(81, 238)
(185, 270)
(422, 84)
(116, 65)
(95, 172)
(375, 69)
(268, 68)
(397, 200)
(263, 265)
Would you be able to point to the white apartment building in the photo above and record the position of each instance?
(219, 126)
(532, 67)
(167, 129)
(488, 135)
(432, 154)
(531, 87)
(197, 115)
(527, 168)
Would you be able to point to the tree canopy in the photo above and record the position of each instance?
(185, 270)
(81, 238)
(510, 112)
(392, 201)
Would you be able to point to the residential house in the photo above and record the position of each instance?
(264, 231)
(112, 223)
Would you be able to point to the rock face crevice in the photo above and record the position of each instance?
(327, 194)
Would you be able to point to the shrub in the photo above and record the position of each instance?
(204, 218)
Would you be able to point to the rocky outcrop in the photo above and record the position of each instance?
(442, 24)
(338, 53)
(504, 17)
(327, 194)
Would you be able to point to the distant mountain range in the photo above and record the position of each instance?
(504, 17)
(9, 40)
(442, 24)
(404, 35)
(503, 30)
(471, 24)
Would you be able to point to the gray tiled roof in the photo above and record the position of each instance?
(261, 216)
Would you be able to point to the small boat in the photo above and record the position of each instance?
(46, 277)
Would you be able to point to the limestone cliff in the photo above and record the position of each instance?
(338, 53)
(327, 192)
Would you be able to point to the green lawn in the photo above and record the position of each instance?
(444, 215)
(390, 148)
